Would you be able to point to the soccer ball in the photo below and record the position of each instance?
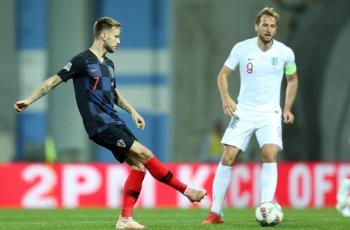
(269, 214)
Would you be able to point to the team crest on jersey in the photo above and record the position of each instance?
(274, 61)
(68, 66)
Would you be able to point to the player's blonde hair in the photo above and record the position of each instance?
(104, 23)
(267, 11)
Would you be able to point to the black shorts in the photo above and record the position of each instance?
(118, 139)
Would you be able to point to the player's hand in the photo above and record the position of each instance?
(229, 106)
(288, 117)
(21, 105)
(138, 119)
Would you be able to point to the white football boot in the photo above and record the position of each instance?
(128, 223)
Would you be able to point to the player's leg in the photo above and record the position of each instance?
(222, 179)
(221, 184)
(132, 186)
(268, 174)
(162, 173)
(269, 137)
(131, 192)
(119, 139)
(236, 138)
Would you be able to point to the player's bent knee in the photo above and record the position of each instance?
(228, 159)
(145, 154)
(141, 153)
(139, 167)
(135, 164)
(269, 159)
(229, 155)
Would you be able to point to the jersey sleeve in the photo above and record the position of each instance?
(71, 69)
(290, 66)
(233, 59)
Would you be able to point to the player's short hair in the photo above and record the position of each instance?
(267, 11)
(104, 23)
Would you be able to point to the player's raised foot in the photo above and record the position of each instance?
(128, 223)
(213, 218)
(195, 195)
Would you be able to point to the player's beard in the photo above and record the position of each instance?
(109, 49)
(265, 41)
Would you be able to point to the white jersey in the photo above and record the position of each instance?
(261, 73)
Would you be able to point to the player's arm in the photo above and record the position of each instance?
(228, 103)
(125, 105)
(291, 92)
(45, 87)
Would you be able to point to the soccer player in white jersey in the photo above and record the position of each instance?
(263, 62)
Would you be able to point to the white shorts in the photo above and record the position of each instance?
(267, 128)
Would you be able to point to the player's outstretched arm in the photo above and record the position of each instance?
(228, 104)
(39, 92)
(124, 104)
(291, 92)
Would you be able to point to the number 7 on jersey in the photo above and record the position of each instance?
(96, 79)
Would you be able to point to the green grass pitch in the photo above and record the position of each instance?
(100, 219)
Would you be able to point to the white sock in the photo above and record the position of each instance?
(343, 192)
(268, 181)
(221, 183)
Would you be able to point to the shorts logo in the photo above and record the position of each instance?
(233, 122)
(121, 143)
